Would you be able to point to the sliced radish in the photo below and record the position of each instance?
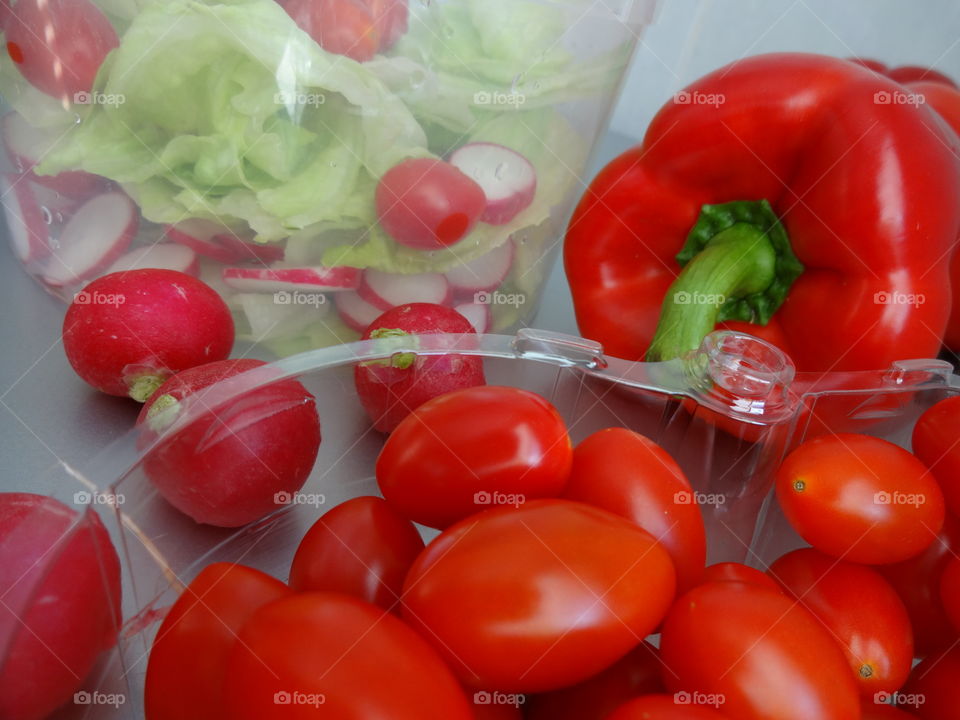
(356, 312)
(508, 179)
(199, 235)
(59, 205)
(484, 273)
(478, 315)
(29, 234)
(305, 279)
(165, 256)
(93, 239)
(270, 319)
(387, 290)
(27, 145)
(248, 249)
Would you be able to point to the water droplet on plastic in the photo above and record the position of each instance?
(47, 215)
(500, 171)
(448, 31)
(333, 163)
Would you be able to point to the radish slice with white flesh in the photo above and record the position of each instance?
(356, 312)
(248, 249)
(93, 239)
(478, 315)
(164, 256)
(484, 273)
(199, 235)
(508, 179)
(306, 279)
(388, 290)
(27, 145)
(29, 234)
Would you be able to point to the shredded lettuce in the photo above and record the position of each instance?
(230, 112)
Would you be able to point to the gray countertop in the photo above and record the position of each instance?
(49, 416)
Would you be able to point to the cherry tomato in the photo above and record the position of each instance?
(391, 17)
(470, 449)
(186, 670)
(59, 45)
(762, 652)
(331, 655)
(496, 706)
(950, 591)
(630, 475)
(362, 548)
(935, 442)
(917, 582)
(428, 204)
(538, 597)
(933, 691)
(663, 707)
(341, 27)
(738, 572)
(882, 711)
(636, 673)
(860, 498)
(860, 609)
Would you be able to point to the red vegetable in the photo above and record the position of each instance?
(737, 572)
(847, 265)
(636, 673)
(362, 548)
(933, 691)
(936, 441)
(60, 586)
(187, 666)
(663, 707)
(235, 462)
(127, 332)
(538, 597)
(917, 582)
(950, 591)
(341, 27)
(630, 475)
(59, 45)
(428, 204)
(764, 654)
(330, 655)
(389, 390)
(860, 609)
(860, 498)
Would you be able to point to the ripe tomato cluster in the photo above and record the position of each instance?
(552, 567)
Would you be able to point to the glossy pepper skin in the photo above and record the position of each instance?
(862, 183)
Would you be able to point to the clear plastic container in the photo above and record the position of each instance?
(728, 415)
(225, 140)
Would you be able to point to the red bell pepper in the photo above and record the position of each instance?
(837, 211)
(906, 73)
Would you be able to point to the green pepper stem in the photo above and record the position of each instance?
(737, 262)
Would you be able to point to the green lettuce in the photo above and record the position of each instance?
(230, 112)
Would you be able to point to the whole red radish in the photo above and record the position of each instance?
(60, 590)
(127, 332)
(389, 390)
(59, 45)
(235, 461)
